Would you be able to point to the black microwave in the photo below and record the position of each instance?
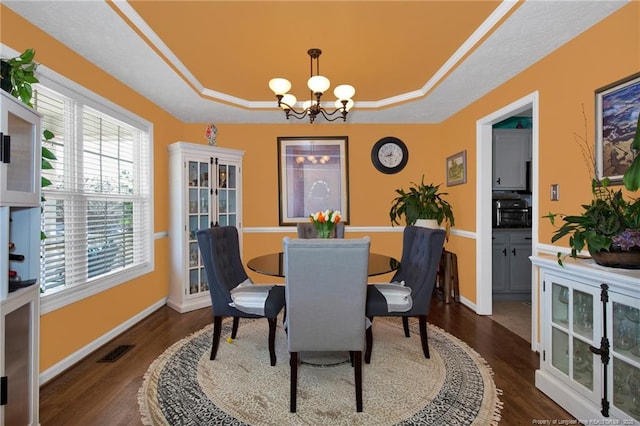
(510, 213)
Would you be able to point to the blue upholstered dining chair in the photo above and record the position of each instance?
(308, 230)
(421, 251)
(232, 292)
(326, 288)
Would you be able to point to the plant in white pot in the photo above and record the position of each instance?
(422, 201)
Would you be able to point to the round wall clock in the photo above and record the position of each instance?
(389, 155)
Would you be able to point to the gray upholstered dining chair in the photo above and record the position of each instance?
(308, 230)
(421, 252)
(232, 292)
(325, 290)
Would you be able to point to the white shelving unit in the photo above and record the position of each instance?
(19, 289)
(198, 202)
(590, 347)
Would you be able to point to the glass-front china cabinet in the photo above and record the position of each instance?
(590, 339)
(205, 190)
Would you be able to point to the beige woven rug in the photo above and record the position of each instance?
(400, 386)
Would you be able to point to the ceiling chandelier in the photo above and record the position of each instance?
(317, 84)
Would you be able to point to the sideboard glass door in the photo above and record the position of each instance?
(625, 351)
(572, 333)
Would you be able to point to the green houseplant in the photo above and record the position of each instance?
(609, 226)
(421, 201)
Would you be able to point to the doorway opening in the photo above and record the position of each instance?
(484, 209)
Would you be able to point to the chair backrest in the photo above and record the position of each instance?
(220, 250)
(421, 252)
(308, 230)
(325, 291)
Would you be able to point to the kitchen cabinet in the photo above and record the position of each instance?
(205, 189)
(590, 339)
(511, 268)
(19, 262)
(511, 150)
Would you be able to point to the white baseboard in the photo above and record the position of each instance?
(469, 304)
(75, 357)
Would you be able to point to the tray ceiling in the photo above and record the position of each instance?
(410, 61)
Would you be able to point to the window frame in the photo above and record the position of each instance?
(60, 297)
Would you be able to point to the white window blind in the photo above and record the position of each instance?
(96, 217)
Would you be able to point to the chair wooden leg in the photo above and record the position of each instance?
(422, 320)
(405, 326)
(272, 340)
(358, 378)
(454, 279)
(217, 329)
(234, 328)
(351, 358)
(369, 341)
(293, 362)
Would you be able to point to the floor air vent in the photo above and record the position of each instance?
(115, 354)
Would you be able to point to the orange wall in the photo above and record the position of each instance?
(565, 80)
(370, 191)
(67, 330)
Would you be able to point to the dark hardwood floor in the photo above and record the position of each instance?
(97, 393)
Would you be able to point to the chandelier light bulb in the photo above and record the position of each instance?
(318, 84)
(280, 86)
(289, 100)
(344, 91)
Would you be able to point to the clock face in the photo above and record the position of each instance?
(389, 155)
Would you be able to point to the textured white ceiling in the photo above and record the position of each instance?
(512, 38)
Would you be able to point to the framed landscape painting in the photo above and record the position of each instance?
(313, 175)
(457, 168)
(617, 109)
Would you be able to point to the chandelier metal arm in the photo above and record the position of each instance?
(327, 115)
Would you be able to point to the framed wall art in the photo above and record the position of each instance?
(313, 175)
(617, 109)
(456, 167)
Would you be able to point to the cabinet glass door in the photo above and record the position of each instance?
(227, 194)
(19, 159)
(199, 218)
(625, 336)
(572, 333)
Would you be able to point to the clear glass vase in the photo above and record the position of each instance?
(324, 231)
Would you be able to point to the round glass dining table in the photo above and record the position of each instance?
(273, 264)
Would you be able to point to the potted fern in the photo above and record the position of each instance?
(422, 201)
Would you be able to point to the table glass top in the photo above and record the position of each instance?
(273, 264)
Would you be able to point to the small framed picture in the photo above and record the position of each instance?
(457, 168)
(617, 109)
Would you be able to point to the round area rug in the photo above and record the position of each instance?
(400, 386)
